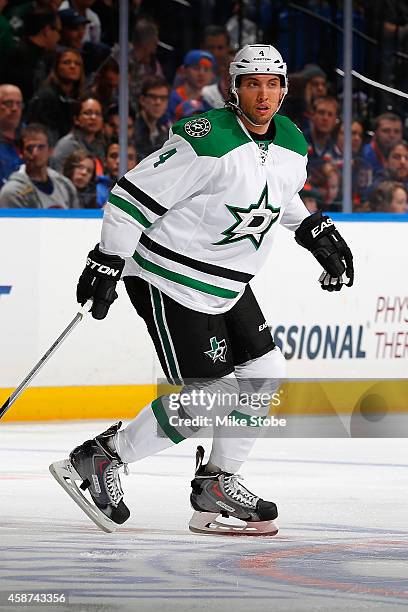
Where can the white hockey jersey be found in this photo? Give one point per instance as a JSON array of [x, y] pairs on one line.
[[197, 218]]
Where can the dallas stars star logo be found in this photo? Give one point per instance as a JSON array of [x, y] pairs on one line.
[[252, 222], [218, 349]]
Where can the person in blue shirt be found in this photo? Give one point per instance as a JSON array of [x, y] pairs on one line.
[[105, 182], [11, 108], [387, 132]]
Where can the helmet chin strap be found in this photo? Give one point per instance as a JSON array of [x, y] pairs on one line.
[[239, 111]]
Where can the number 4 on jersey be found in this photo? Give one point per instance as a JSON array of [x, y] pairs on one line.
[[164, 157]]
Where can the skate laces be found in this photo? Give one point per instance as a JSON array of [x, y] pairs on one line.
[[113, 484], [238, 492]]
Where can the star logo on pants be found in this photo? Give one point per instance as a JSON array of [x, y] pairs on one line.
[[252, 222], [218, 349]]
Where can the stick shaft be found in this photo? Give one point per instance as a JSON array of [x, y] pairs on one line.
[[24, 384]]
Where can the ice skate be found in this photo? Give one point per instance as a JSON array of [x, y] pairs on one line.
[[97, 466], [222, 494]]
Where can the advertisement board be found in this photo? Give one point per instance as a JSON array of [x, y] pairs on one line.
[[360, 332]]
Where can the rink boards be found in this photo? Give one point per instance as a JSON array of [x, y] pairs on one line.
[[108, 368]]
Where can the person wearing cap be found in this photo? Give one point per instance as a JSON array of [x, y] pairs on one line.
[[187, 230], [73, 27], [315, 83], [198, 68], [92, 32], [306, 86], [74, 35], [30, 62]]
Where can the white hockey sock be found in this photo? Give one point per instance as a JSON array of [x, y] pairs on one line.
[[165, 422], [228, 454], [231, 447], [141, 437]]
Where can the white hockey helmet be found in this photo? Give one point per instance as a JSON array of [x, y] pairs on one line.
[[257, 59]]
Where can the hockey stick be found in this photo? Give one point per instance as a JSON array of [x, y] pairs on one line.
[[22, 386]]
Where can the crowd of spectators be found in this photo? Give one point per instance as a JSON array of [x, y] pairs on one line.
[[59, 112]]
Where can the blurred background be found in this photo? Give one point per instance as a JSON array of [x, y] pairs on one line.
[[61, 67]]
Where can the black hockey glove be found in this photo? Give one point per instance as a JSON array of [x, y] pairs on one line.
[[98, 281], [318, 235]]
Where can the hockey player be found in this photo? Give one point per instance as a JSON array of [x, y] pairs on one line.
[[187, 229]]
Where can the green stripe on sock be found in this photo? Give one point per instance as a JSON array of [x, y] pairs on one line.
[[163, 420], [129, 208], [184, 280]]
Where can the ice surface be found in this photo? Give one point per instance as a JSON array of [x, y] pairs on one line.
[[342, 544]]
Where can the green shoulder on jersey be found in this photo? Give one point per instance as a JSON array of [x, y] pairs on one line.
[[225, 133]]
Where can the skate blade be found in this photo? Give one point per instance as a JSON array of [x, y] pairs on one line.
[[65, 474], [207, 523]]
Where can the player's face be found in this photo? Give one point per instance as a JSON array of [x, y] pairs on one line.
[[259, 97]]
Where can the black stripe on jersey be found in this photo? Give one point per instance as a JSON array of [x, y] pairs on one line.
[[141, 196], [201, 266]]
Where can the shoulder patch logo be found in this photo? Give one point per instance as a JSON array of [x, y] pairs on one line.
[[197, 128]]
